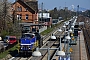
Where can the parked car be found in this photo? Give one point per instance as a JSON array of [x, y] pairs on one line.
[[5, 45], [10, 39]]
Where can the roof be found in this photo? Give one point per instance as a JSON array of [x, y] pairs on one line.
[[12, 36], [30, 24], [32, 5], [27, 33]]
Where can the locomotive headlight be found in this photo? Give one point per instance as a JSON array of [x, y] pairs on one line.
[[28, 47], [21, 48]]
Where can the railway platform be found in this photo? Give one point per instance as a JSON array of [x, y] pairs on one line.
[[79, 50]]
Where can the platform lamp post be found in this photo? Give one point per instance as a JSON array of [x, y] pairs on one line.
[[68, 47], [70, 42], [37, 53], [58, 53], [65, 35], [60, 47], [72, 27], [70, 33], [64, 27], [70, 30]]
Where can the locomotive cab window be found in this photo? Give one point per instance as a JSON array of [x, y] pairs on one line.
[[28, 35]]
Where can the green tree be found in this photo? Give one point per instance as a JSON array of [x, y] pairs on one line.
[[55, 13], [5, 19]]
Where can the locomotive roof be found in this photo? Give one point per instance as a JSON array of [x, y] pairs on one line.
[[29, 33]]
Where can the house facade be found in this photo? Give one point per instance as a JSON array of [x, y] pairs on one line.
[[25, 11], [47, 20]]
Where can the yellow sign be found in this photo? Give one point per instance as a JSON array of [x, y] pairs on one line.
[[71, 50], [72, 38]]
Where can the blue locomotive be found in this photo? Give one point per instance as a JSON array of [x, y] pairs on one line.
[[27, 43]]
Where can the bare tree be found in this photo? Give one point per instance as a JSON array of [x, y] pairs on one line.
[[5, 18]]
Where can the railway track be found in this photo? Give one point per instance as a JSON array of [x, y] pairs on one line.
[[47, 43], [50, 44]]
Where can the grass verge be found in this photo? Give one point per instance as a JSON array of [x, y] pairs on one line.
[[5, 53], [50, 29]]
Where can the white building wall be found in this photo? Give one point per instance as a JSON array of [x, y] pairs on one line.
[[42, 29], [45, 15]]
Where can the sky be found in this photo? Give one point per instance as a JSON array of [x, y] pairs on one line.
[[51, 4]]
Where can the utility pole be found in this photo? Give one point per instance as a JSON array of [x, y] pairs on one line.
[[41, 39], [65, 12], [42, 13], [77, 11]]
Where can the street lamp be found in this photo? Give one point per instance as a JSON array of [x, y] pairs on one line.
[[68, 37], [68, 52], [64, 27], [59, 30], [70, 30], [73, 40], [58, 53], [53, 37], [65, 35], [36, 53], [72, 27]]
